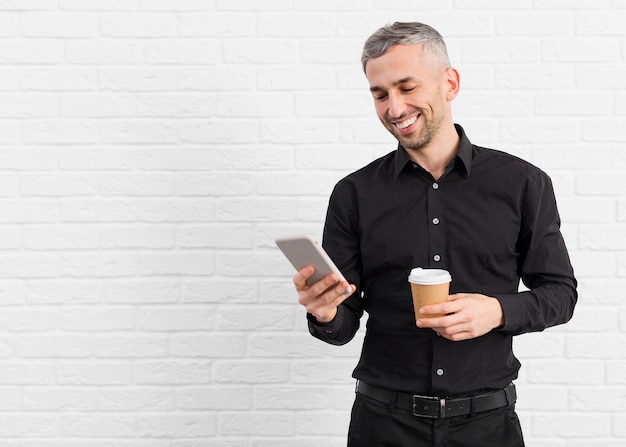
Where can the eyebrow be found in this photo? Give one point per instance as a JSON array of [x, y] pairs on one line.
[[376, 88]]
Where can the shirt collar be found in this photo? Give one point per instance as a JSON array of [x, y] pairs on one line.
[[464, 154]]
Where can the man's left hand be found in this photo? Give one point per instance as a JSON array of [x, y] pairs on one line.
[[467, 315]]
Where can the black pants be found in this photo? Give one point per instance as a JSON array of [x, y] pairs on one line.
[[375, 424]]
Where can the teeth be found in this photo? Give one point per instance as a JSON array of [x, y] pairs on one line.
[[406, 123]]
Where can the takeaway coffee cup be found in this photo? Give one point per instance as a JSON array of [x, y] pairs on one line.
[[429, 286]]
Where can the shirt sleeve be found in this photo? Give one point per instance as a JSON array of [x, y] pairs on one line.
[[544, 263], [341, 242]]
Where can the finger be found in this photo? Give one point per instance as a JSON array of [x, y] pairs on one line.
[[330, 299], [299, 279], [440, 309]]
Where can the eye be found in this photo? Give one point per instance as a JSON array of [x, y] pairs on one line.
[[407, 89], [380, 97]]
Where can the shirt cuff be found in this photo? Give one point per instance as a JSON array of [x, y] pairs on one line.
[[513, 310], [326, 331]]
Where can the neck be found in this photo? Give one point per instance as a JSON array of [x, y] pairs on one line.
[[436, 155]]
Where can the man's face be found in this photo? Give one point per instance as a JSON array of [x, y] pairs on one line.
[[409, 94]]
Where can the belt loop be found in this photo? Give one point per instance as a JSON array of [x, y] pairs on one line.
[[356, 386], [392, 403], [507, 395]]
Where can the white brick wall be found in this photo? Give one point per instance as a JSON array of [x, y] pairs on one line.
[[151, 151]]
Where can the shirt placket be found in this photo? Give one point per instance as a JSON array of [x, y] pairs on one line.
[[436, 223], [437, 259]]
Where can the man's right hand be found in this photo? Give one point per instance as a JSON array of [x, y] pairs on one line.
[[321, 299]]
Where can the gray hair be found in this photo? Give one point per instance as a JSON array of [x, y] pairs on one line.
[[406, 33]]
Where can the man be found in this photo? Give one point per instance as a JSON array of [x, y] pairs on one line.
[[438, 201]]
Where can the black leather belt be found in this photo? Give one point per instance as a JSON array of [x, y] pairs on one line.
[[434, 407]]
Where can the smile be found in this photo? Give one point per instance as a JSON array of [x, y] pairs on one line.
[[407, 122]]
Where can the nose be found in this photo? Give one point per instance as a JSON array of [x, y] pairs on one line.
[[396, 105]]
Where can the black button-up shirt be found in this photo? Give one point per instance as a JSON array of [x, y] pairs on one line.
[[490, 220]]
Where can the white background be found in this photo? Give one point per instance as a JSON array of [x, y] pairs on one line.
[[151, 150]]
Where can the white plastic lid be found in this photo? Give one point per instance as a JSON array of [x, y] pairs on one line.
[[429, 276]]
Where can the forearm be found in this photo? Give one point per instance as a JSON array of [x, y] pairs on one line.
[[340, 330], [540, 308]]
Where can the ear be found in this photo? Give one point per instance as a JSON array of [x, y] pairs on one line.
[[453, 83]]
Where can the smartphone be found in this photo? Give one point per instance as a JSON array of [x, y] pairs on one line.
[[303, 250]]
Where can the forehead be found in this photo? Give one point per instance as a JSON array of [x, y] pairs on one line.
[[399, 62]]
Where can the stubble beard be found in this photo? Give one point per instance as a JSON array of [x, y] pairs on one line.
[[422, 139]]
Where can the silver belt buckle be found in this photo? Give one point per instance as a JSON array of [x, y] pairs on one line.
[[442, 407]]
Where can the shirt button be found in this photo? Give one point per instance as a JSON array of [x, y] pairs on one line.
[[435, 185], [436, 221], [440, 372], [437, 258]]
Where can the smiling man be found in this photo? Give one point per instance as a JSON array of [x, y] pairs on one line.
[[437, 201]]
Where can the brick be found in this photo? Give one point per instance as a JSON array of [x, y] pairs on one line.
[[611, 75], [578, 49], [136, 79], [548, 76], [244, 423], [216, 24], [216, 346], [544, 23], [290, 397], [29, 266], [294, 78], [28, 158], [220, 131], [219, 290], [56, 291], [137, 25], [57, 399], [254, 105], [600, 23], [134, 291], [501, 50], [567, 104], [215, 398], [330, 423], [595, 399], [179, 318], [22, 105], [89, 319], [98, 5], [103, 52], [36, 425], [96, 105], [603, 238], [92, 373], [251, 318], [59, 131], [565, 372], [194, 425], [99, 426], [215, 236], [65, 25], [252, 5], [572, 425], [138, 132], [98, 265], [142, 399], [130, 347], [170, 372], [36, 51], [136, 184], [137, 237], [58, 185], [195, 52], [296, 24]]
